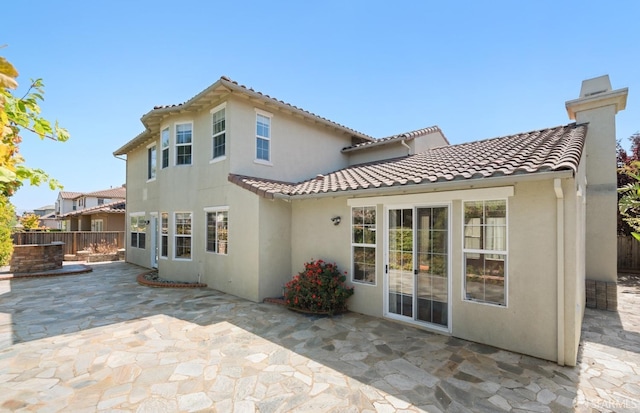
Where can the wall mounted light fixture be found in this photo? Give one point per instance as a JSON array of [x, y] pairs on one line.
[[336, 220]]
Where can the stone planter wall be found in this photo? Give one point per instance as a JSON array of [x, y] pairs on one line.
[[36, 257]]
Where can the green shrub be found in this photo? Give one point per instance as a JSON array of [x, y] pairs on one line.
[[320, 288], [7, 221]]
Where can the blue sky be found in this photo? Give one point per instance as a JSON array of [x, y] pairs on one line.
[[476, 69]]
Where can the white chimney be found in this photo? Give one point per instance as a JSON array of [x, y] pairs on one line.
[[597, 106]]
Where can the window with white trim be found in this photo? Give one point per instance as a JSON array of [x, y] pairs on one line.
[[151, 162], [219, 133], [164, 234], [182, 235], [138, 229], [217, 230], [184, 136], [164, 142], [97, 225], [263, 137], [363, 244], [485, 251]]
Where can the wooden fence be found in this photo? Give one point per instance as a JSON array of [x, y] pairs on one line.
[[73, 241], [628, 253]]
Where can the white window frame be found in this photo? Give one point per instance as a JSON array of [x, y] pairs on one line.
[[215, 134], [164, 237], [262, 113], [364, 245], [140, 223], [215, 210], [152, 162], [504, 252], [176, 236], [177, 145], [95, 223], [165, 145]]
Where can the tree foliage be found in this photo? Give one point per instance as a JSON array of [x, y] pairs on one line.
[[629, 188], [30, 221], [18, 114], [7, 221]]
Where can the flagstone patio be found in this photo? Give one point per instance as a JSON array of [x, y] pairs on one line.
[[101, 342]]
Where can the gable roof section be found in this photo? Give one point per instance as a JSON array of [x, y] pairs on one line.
[[69, 195], [395, 138], [115, 207], [119, 192], [222, 87], [546, 150]]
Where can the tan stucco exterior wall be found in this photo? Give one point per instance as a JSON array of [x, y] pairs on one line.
[[529, 322], [274, 246], [300, 149]]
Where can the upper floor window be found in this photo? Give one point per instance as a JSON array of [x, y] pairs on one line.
[[219, 133], [100, 201], [263, 137], [151, 162], [164, 141], [485, 251], [183, 143]]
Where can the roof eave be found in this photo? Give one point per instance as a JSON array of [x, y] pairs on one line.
[[435, 186], [220, 89]]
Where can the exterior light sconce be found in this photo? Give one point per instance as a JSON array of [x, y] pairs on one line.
[[336, 220]]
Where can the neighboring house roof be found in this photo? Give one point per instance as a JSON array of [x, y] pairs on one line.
[[546, 150], [69, 195], [119, 192], [225, 86], [44, 208], [115, 207], [395, 138]]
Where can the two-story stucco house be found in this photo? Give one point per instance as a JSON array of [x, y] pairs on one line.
[[488, 241], [69, 205]]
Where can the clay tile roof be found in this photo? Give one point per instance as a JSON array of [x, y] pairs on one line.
[[115, 207], [69, 195], [546, 150], [228, 85], [120, 192], [390, 139]]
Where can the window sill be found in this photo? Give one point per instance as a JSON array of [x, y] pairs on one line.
[[470, 300], [151, 180], [218, 159], [368, 284], [262, 162]]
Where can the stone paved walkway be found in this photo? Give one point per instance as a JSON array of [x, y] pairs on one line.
[[101, 342]]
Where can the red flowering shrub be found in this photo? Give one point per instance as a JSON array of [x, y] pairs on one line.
[[319, 288]]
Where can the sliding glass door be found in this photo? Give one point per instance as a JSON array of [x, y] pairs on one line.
[[418, 264]]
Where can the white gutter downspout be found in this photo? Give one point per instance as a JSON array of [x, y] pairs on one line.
[[557, 186], [403, 143]]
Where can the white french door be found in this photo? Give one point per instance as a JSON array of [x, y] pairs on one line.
[[417, 265]]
